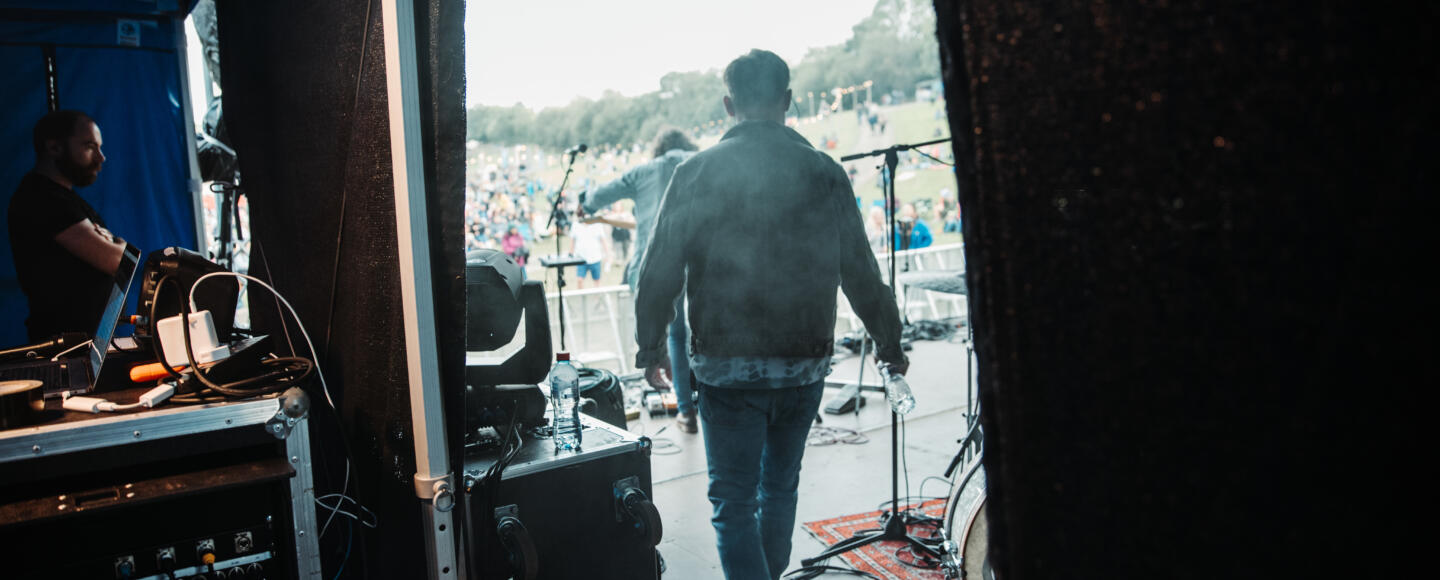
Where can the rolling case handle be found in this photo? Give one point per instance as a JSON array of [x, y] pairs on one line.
[[518, 542]]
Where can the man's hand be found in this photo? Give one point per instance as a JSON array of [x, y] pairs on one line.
[[104, 233], [899, 368], [658, 375], [93, 244]]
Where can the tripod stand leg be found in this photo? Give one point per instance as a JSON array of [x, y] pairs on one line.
[[860, 380], [861, 538], [921, 546]]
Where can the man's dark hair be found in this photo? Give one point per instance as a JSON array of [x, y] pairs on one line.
[[56, 125], [671, 138], [759, 77]]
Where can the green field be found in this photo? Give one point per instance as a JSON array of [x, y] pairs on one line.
[[907, 123], [840, 126]]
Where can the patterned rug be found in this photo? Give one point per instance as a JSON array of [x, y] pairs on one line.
[[881, 558]]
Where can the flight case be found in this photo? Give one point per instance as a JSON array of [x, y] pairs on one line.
[[568, 514]]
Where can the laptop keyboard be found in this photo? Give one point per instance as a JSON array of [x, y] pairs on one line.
[[55, 378], [48, 374]]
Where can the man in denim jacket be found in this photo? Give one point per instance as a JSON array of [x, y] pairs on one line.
[[759, 231], [645, 185]]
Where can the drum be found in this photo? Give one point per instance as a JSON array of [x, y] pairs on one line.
[[966, 526]]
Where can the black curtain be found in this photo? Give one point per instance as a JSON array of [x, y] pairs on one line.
[[305, 100], [1191, 231]]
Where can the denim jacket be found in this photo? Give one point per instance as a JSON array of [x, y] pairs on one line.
[[645, 185], [759, 231]]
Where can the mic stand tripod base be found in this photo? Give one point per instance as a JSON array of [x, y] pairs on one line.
[[893, 527]]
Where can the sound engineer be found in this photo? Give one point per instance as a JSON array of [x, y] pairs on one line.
[[65, 258]]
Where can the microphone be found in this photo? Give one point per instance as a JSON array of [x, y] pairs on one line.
[[581, 148]]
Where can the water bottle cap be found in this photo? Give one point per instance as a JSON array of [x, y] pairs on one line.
[[559, 356]]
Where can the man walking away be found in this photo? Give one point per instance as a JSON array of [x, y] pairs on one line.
[[759, 231]]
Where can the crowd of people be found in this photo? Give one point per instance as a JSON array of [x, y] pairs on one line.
[[500, 209], [508, 206], [508, 203]]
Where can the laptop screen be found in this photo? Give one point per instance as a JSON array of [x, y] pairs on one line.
[[119, 289]]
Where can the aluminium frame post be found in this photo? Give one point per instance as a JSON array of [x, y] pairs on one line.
[[192, 160], [433, 476], [302, 502]]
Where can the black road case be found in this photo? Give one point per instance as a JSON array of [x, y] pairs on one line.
[[215, 490], [584, 514]]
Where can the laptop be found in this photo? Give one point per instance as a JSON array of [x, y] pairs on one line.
[[75, 371]]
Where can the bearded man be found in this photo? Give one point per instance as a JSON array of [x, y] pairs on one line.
[[65, 259]]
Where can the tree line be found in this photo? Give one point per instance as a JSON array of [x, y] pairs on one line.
[[893, 48]]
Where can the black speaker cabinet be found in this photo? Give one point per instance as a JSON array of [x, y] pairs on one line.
[[585, 514]]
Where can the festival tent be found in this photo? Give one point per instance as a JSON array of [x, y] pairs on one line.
[[121, 61]]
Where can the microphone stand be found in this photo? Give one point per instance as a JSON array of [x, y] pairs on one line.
[[555, 205], [894, 523], [559, 261]]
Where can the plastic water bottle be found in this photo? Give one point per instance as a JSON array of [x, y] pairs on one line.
[[897, 391], [565, 403]]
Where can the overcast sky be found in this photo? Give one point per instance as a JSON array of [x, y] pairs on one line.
[[546, 53]]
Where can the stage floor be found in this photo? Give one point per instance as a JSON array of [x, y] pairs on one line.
[[836, 479]]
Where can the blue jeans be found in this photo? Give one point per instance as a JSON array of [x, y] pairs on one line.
[[677, 347], [593, 268], [680, 360], [754, 440]]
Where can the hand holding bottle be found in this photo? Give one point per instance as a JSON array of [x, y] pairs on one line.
[[900, 368], [897, 390]]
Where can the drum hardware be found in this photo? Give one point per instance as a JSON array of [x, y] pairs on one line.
[[964, 549], [966, 554]]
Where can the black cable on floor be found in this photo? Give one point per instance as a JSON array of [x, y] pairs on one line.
[[662, 445], [821, 435], [808, 572]]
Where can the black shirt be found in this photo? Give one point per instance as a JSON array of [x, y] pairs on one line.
[[66, 294]]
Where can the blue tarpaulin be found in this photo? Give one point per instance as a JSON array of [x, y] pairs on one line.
[[119, 62]]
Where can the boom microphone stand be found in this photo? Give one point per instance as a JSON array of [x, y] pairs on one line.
[[893, 522], [560, 261]]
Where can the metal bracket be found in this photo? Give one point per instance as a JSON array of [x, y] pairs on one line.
[[294, 407], [431, 488], [444, 497], [280, 425]]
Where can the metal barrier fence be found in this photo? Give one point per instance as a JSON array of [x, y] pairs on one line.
[[600, 322]]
